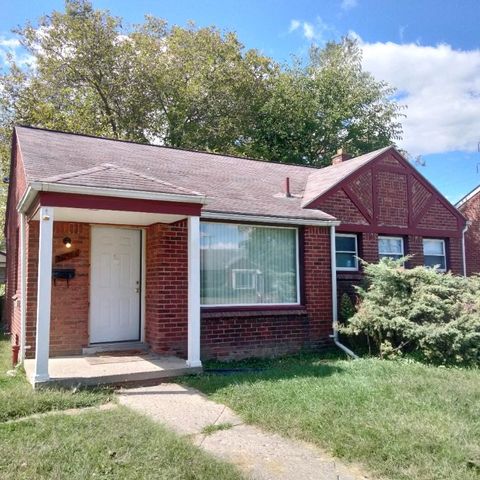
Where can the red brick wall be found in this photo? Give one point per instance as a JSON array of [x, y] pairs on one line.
[[70, 303], [166, 323], [340, 206], [318, 282], [438, 217], [253, 334], [16, 190], [362, 187], [392, 199], [471, 210], [454, 255], [276, 332], [413, 245]]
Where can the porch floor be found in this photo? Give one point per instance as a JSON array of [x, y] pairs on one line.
[[110, 369]]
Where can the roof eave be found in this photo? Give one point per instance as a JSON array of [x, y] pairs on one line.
[[266, 219], [36, 187], [467, 197]]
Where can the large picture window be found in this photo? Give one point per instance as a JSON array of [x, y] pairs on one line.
[[346, 251], [434, 253], [390, 247], [248, 265]]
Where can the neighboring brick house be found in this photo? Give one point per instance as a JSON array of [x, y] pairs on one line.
[[198, 255], [386, 208], [469, 206]]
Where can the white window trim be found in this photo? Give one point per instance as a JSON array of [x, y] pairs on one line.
[[386, 237], [244, 270], [297, 256], [355, 256], [444, 256]]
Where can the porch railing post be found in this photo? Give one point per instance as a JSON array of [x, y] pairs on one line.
[[44, 295], [194, 292]]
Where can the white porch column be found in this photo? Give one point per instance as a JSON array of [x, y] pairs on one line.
[[194, 292], [44, 294]]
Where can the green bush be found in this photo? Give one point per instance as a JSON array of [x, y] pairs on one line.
[[347, 309], [434, 315]]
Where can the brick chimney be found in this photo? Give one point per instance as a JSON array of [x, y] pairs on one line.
[[340, 156]]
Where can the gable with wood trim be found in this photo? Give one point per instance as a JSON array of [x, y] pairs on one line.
[[386, 203]]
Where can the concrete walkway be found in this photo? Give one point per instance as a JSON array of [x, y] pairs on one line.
[[260, 455]]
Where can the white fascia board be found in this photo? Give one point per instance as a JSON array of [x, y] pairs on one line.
[[267, 219], [26, 200], [467, 197], [104, 192]]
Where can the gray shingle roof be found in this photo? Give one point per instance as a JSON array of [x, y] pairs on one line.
[[232, 185], [325, 178], [114, 176]]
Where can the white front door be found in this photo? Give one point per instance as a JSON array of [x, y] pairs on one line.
[[115, 285]]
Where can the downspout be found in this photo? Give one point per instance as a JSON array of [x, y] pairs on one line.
[[334, 296], [464, 256], [23, 285]]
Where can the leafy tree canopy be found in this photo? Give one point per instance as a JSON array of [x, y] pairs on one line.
[[192, 87]]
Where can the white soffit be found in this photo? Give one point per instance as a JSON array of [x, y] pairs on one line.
[[112, 217]]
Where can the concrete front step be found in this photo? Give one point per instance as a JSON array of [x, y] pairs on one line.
[[115, 347], [111, 369], [123, 379]]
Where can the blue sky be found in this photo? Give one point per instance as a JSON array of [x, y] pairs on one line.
[[429, 50]]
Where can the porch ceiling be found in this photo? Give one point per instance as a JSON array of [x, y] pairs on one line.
[[112, 217]]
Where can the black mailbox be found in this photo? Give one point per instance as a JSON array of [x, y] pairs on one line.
[[63, 274]]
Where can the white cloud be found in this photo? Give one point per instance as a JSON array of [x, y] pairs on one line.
[[309, 31], [318, 32], [12, 47], [440, 86], [348, 4], [294, 25], [9, 43]]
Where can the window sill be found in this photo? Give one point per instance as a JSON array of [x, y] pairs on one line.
[[260, 311], [350, 275]]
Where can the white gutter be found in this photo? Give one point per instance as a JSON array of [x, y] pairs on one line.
[[464, 256], [23, 286], [267, 219], [334, 296], [26, 200], [104, 192]]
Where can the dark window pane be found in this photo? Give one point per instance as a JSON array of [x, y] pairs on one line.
[[345, 244], [434, 261], [346, 260]]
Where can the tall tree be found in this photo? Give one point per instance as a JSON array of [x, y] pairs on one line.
[[329, 103], [179, 86], [192, 87]]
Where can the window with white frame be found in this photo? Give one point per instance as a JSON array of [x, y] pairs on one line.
[[346, 251], [390, 247], [434, 253], [245, 264], [244, 278]]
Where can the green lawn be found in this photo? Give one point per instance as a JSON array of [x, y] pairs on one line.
[[18, 399], [114, 444], [109, 444], [402, 420]]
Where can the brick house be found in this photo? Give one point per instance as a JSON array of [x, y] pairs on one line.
[[200, 255], [386, 208], [469, 206]]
